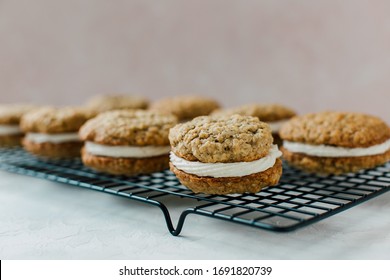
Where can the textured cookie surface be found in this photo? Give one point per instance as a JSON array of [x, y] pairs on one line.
[[265, 112], [125, 166], [221, 139], [186, 107], [114, 102], [53, 150], [129, 127], [55, 120], [12, 113], [247, 184], [348, 130], [336, 165], [10, 140]]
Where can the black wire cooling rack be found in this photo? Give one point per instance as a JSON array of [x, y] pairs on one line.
[[300, 199]]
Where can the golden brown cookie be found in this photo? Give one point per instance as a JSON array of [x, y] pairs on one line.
[[124, 165], [105, 103], [127, 142], [336, 142], [55, 120], [221, 139], [186, 107], [11, 140], [265, 112], [334, 165], [10, 115], [229, 154], [129, 127], [350, 130], [252, 183], [53, 132], [273, 114], [53, 150]]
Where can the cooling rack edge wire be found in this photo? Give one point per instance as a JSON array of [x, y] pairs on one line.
[[300, 199]]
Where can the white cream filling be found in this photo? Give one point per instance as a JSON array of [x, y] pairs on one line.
[[52, 138], [6, 129], [126, 151], [234, 169], [331, 151], [275, 126]]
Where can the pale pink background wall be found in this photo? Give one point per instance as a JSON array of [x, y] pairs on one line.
[[311, 55]]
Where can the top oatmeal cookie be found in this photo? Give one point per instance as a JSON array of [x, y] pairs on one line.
[[265, 112], [129, 127], [55, 120], [105, 103], [348, 130], [10, 114], [221, 139], [185, 107]]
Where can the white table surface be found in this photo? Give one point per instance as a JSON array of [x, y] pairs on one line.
[[45, 220]]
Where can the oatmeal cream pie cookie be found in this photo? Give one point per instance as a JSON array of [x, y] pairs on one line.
[[53, 132], [273, 114], [10, 115], [335, 142], [127, 142], [221, 155], [187, 107], [103, 103]]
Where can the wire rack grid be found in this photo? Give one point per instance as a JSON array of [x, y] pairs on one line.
[[298, 200]]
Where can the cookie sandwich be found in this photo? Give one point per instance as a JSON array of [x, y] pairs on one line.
[[103, 103], [127, 142], [273, 114], [53, 132], [187, 107], [335, 142], [221, 155], [10, 132]]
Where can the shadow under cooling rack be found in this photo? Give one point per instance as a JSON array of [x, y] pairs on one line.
[[300, 198]]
